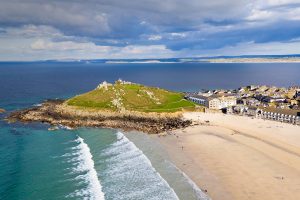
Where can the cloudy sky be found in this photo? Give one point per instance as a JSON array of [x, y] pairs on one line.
[[97, 29]]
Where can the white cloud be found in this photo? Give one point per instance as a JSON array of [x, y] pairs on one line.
[[280, 2], [44, 42], [40, 29], [178, 35], [105, 17], [155, 37], [294, 14], [84, 18], [44, 45], [34, 31], [260, 15], [142, 51], [274, 10]]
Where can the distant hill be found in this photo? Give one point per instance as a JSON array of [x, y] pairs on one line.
[[165, 60], [128, 96]]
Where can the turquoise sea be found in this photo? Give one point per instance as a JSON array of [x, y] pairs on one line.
[[90, 163]]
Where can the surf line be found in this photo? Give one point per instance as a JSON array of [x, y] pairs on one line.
[[94, 188], [122, 138], [199, 193]]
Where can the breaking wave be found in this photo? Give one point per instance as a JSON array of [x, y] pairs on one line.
[[131, 174], [86, 173]]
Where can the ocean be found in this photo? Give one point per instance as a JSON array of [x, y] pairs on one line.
[[89, 163]]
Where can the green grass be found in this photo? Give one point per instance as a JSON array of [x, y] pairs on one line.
[[134, 97]]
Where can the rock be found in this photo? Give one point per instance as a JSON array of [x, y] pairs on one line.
[[53, 128], [54, 113], [2, 110]]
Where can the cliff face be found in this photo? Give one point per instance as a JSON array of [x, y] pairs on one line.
[[56, 112]]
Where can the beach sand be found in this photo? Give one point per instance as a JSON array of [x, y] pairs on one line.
[[238, 158]]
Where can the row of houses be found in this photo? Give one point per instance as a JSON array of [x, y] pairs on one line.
[[269, 113], [282, 115]]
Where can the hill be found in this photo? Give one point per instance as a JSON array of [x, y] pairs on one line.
[[121, 105], [129, 96]]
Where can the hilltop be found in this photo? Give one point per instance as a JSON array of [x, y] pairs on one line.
[[127, 96], [123, 105]]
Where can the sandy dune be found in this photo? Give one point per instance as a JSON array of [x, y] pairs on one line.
[[234, 157]]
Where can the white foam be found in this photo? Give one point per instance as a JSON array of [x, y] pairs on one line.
[[64, 127], [85, 165], [132, 175]]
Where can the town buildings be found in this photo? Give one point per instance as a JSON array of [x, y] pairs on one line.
[[272, 103]]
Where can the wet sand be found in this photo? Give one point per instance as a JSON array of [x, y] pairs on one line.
[[238, 158]]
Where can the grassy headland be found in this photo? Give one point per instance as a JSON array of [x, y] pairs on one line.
[[122, 105], [131, 97]]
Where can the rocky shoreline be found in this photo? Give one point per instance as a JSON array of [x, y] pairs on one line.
[[56, 112]]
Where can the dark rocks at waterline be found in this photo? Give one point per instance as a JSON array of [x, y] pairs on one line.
[[54, 113]]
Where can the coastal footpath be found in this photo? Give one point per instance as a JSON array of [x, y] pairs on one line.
[[236, 157]]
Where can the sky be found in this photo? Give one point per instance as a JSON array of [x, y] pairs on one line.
[[118, 29]]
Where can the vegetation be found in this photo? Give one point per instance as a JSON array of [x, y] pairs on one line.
[[133, 97]]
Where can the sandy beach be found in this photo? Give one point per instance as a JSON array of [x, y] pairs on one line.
[[238, 158]]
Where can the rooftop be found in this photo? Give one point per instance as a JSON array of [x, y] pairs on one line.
[[282, 111]]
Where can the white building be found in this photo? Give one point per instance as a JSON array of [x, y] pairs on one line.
[[222, 102], [216, 102]]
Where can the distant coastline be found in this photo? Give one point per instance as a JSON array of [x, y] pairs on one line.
[[295, 58], [255, 60], [215, 60]]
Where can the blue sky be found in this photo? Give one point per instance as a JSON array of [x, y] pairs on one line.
[[97, 29]]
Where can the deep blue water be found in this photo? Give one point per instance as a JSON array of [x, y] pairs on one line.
[[25, 83], [88, 163]]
